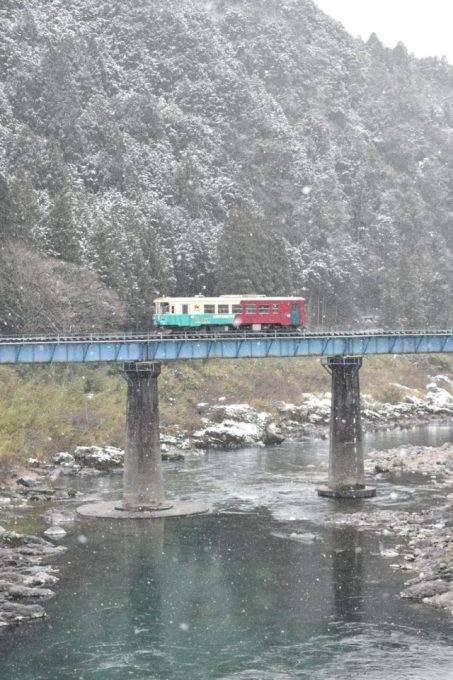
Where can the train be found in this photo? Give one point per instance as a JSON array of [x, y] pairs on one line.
[[229, 313]]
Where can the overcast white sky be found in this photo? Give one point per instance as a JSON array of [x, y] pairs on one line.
[[424, 26]]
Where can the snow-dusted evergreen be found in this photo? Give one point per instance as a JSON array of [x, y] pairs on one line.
[[186, 146]]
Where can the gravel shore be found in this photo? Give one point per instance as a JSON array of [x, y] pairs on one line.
[[427, 550]]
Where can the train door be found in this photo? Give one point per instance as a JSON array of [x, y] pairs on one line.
[[295, 314]]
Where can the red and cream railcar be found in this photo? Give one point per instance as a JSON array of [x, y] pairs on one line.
[[229, 312]]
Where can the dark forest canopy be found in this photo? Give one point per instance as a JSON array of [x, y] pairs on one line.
[[185, 146]]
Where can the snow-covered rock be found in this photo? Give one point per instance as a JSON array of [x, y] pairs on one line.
[[314, 409], [439, 400], [236, 426], [62, 458], [99, 457], [227, 434], [217, 413], [55, 531], [442, 378]]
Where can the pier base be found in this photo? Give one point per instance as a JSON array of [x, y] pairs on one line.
[[346, 492], [346, 477], [143, 488], [110, 510]]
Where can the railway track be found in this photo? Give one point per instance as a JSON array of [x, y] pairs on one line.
[[186, 336]]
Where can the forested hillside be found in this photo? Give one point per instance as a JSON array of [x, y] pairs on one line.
[[192, 146]]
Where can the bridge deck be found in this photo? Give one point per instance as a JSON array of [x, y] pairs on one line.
[[161, 347]]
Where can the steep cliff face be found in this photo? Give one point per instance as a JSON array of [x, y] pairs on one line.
[[193, 146]]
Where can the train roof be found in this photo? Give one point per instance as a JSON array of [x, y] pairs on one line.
[[198, 297], [247, 296]]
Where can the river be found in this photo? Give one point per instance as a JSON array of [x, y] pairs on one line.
[[265, 587]]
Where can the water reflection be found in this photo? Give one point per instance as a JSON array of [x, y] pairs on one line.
[[142, 565], [347, 573], [213, 597]]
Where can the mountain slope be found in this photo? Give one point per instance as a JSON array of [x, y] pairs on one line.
[[189, 146]]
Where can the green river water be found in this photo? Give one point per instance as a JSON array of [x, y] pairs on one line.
[[265, 587]]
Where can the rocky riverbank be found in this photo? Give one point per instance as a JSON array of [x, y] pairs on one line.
[[426, 547], [312, 416], [234, 426], [227, 426], [24, 579]]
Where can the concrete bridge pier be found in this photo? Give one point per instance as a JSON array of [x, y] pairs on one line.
[[346, 477], [143, 487]]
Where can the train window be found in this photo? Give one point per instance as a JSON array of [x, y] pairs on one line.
[[250, 308], [172, 309], [263, 309], [223, 309], [236, 309], [209, 309], [275, 308], [164, 307], [185, 309]]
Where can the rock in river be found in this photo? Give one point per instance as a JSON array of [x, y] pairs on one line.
[[418, 591], [236, 425], [99, 457], [13, 613]]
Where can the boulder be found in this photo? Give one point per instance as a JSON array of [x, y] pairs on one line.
[[243, 413], [12, 613], [419, 591], [227, 434], [439, 400], [99, 457], [272, 435], [314, 410], [38, 576], [17, 592], [39, 550], [443, 601], [26, 481], [55, 531], [231, 426], [62, 458]]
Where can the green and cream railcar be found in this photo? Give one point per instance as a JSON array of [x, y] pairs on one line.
[[197, 312]]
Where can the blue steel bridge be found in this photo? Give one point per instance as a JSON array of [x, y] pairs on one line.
[[138, 347]]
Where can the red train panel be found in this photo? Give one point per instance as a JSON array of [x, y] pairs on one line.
[[272, 312]]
